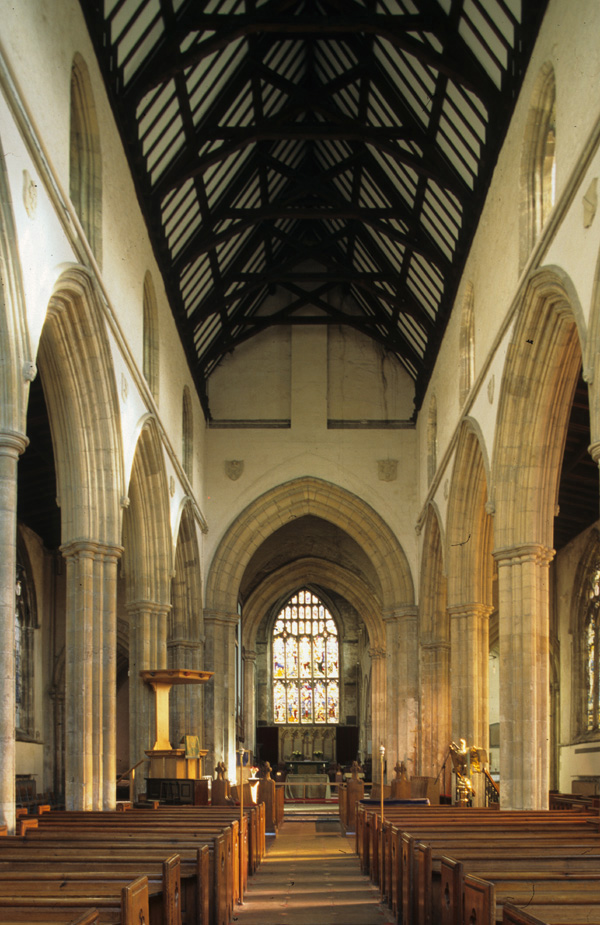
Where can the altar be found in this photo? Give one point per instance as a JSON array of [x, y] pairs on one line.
[[307, 766], [307, 786]]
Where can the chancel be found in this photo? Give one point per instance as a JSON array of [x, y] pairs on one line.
[[299, 408]]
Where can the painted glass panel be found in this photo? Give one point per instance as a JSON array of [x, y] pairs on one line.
[[333, 702], [591, 640], [305, 667], [320, 703], [319, 657], [292, 703], [332, 657], [306, 650], [279, 701], [278, 657], [306, 693], [291, 657]]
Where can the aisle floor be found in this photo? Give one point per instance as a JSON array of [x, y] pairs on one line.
[[311, 876]]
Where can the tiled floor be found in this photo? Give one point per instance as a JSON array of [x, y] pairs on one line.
[[311, 876]]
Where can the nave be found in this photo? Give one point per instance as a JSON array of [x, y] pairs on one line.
[[311, 874]]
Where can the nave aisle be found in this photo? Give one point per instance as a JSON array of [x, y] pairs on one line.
[[311, 876]]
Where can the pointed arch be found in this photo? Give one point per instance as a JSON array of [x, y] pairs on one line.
[[470, 575], [538, 161], [540, 376], [14, 342], [542, 367], [85, 161], [150, 339], [79, 386], [148, 555], [320, 573], [295, 499], [185, 641], [470, 527]]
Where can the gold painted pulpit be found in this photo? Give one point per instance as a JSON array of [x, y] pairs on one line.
[[165, 761]]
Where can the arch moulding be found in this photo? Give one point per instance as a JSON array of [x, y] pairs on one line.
[[313, 571], [299, 498]]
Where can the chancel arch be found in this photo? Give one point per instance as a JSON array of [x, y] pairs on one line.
[[434, 653], [315, 573], [384, 562], [147, 573], [470, 570], [541, 373], [79, 387]]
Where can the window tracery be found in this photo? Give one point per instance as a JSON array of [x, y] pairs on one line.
[[592, 641], [305, 663], [25, 624]]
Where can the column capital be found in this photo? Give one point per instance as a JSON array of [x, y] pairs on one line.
[[470, 610], [594, 451], [220, 618], [248, 655], [525, 552], [135, 608], [400, 612], [377, 652], [13, 443], [91, 549]]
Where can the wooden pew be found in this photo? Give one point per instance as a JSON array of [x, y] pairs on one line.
[[51, 917], [128, 906], [71, 861], [553, 902], [164, 889], [114, 832], [396, 874], [159, 829], [512, 915], [415, 875], [211, 855]]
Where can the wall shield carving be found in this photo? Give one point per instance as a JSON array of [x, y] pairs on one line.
[[234, 468], [387, 470]]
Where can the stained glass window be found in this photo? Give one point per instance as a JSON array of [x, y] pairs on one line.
[[592, 641], [306, 663]]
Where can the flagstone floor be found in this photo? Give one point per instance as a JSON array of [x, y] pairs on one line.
[[311, 876]]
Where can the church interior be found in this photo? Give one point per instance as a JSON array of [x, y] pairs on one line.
[[300, 424]]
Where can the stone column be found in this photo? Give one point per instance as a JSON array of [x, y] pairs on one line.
[[147, 651], [90, 675], [435, 709], [186, 703], [524, 675], [11, 446], [469, 673], [108, 745], [250, 700], [402, 688], [378, 705], [220, 691], [469, 669]]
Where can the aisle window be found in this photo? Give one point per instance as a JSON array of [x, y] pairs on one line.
[[306, 663], [592, 634]]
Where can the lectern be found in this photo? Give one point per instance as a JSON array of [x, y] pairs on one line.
[[170, 765]]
